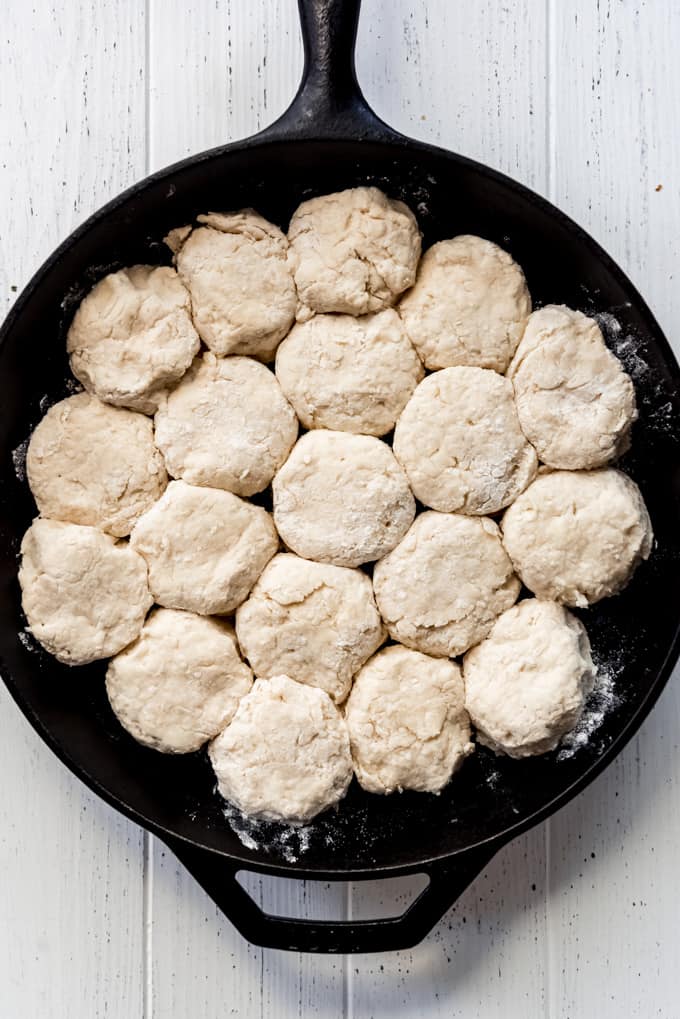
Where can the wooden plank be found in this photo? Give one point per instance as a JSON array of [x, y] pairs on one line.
[[469, 77], [71, 894], [613, 853], [220, 72]]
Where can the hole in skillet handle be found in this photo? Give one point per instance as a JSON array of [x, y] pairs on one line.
[[217, 875]]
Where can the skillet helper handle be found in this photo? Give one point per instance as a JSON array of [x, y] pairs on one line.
[[217, 876], [329, 102]]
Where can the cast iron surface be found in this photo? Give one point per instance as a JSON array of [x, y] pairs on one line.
[[327, 141]]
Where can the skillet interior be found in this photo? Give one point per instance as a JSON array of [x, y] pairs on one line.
[[634, 634]]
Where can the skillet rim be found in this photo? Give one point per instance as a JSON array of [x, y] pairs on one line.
[[389, 139]]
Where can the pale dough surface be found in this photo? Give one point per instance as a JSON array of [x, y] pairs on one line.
[[311, 621], [85, 595], [577, 536], [469, 305], [342, 499], [93, 464], [349, 374], [242, 291], [285, 756], [575, 402], [407, 723], [445, 583], [179, 683], [133, 336], [205, 548], [460, 443], [353, 251], [226, 425], [527, 682]]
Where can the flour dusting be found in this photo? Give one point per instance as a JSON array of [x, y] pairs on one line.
[[19, 459], [630, 350], [289, 841], [602, 700]]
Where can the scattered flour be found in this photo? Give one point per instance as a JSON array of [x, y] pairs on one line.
[[285, 840], [603, 699], [19, 459], [653, 396]]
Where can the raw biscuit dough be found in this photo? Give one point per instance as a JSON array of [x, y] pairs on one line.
[[342, 499], [469, 305], [577, 536], [353, 251], [313, 622], [242, 291], [227, 425], [285, 756], [85, 595], [407, 722], [445, 583], [350, 374], [575, 402], [93, 464], [133, 336], [179, 683], [526, 683], [460, 443], [205, 548]]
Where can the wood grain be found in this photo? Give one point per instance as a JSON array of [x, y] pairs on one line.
[[72, 134], [613, 885]]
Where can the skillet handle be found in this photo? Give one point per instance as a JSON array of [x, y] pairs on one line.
[[329, 102], [217, 876]]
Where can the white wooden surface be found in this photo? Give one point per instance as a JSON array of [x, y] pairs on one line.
[[579, 100]]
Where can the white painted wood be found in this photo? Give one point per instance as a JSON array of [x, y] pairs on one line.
[[217, 73], [613, 877], [71, 885], [470, 77], [577, 100]]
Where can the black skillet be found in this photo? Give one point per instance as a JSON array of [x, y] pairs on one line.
[[328, 140]]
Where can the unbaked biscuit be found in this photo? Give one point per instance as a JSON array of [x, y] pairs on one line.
[[85, 595], [227, 425], [93, 464], [179, 683], [285, 756], [353, 251], [407, 722], [469, 305], [205, 548]]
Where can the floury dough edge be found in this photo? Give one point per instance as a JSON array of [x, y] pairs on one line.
[[407, 722], [286, 755]]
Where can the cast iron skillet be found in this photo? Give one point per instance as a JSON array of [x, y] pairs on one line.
[[328, 140]]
